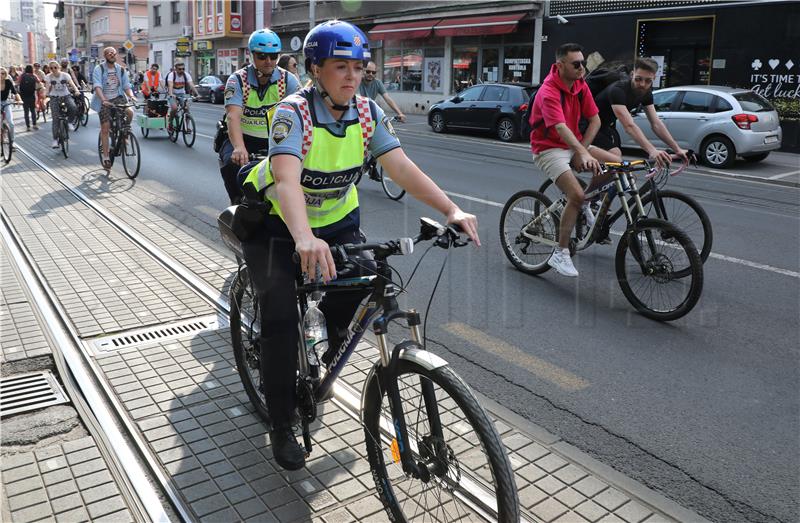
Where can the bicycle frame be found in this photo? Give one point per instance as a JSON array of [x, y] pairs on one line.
[[378, 309]]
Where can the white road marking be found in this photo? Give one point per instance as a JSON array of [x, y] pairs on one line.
[[722, 257], [784, 175]]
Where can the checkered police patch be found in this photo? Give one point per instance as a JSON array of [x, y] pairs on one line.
[[280, 130], [229, 93], [357, 40]]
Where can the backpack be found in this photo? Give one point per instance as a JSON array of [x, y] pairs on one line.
[[27, 85], [602, 77], [525, 123]]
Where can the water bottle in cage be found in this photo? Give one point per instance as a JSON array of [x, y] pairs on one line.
[[315, 331]]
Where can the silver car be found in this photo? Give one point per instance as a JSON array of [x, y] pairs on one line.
[[717, 122]]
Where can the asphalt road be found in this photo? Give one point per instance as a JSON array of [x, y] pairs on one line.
[[705, 409]]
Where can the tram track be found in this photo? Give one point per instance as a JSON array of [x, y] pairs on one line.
[[124, 445]]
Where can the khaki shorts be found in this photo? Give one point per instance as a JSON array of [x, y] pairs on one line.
[[553, 162]]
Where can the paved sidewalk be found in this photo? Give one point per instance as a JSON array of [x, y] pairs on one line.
[[185, 398]]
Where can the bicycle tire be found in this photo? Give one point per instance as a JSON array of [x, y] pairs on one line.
[[6, 143], [131, 153], [668, 240], [692, 219], [172, 129], [76, 122], [145, 131], [64, 136], [85, 115], [474, 439], [516, 216], [188, 138], [245, 339], [392, 190]]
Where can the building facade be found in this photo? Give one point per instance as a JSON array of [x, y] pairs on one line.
[[11, 48], [36, 44], [108, 27], [72, 35], [168, 22], [427, 50]]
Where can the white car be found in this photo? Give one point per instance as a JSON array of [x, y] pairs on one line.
[[717, 122]]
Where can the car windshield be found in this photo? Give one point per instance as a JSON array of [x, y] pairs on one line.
[[209, 80], [753, 102]]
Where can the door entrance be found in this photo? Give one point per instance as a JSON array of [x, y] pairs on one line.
[[683, 46]]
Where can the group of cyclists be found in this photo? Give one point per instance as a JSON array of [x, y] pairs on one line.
[[293, 153]]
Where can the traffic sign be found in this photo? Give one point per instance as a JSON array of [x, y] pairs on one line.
[[51, 56], [128, 45], [94, 51]]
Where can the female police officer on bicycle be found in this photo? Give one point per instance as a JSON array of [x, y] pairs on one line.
[[317, 144]]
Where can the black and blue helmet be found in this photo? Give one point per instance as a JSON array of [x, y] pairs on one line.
[[336, 39]]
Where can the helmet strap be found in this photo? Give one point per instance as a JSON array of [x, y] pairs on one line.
[[328, 100]]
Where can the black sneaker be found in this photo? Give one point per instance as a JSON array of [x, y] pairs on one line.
[[288, 453]]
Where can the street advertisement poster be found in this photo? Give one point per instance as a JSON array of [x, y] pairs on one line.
[[660, 73], [433, 74], [775, 77]]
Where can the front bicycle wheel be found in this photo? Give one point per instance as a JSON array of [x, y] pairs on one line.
[[85, 114], [189, 134], [650, 257], [685, 213], [245, 325], [131, 158], [6, 144], [173, 129], [464, 467], [392, 190], [64, 137], [76, 121], [525, 227]]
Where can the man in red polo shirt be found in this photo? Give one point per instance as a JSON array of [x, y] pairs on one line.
[[558, 144]]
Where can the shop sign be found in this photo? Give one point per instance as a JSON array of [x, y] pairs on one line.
[[209, 24], [183, 47], [517, 66], [296, 43], [220, 23], [775, 77], [236, 22], [203, 45]]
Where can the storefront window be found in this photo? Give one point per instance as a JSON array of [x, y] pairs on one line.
[[518, 63], [407, 67], [490, 65], [465, 67]]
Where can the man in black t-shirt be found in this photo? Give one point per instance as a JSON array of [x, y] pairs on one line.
[[615, 103]]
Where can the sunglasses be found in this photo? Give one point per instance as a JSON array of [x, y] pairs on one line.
[[265, 56], [577, 64], [367, 71]]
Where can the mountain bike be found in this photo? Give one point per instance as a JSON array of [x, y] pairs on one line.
[[375, 172], [428, 439], [181, 122], [657, 265], [61, 125], [121, 142], [677, 208], [6, 138]]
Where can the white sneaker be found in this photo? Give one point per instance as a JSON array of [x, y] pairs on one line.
[[54, 144], [562, 263]]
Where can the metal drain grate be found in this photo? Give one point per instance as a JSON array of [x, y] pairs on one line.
[[157, 334], [24, 392]]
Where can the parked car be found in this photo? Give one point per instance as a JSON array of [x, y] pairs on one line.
[[212, 89], [716, 121], [493, 107]]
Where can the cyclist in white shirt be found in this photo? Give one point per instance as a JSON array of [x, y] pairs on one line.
[[59, 85], [177, 82]]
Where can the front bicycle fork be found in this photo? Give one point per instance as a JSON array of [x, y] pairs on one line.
[[388, 381]]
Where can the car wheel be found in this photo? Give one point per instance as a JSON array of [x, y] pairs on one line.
[[718, 151], [218, 98], [506, 130], [437, 123], [753, 158]]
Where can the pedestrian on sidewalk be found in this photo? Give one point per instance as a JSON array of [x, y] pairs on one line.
[[29, 85], [8, 89]]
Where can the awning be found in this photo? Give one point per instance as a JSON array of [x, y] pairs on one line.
[[403, 30], [479, 25]]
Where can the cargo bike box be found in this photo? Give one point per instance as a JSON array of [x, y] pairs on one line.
[[154, 115]]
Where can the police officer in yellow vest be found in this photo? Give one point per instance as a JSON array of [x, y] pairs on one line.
[[318, 140], [249, 94]]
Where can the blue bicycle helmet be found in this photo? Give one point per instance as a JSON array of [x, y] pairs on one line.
[[336, 39], [264, 41]]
